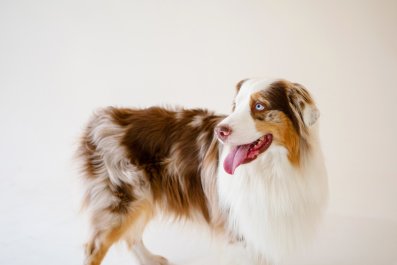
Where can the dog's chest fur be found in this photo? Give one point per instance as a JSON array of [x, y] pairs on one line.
[[271, 205]]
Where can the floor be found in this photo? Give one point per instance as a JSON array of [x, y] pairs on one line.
[[341, 241], [41, 224], [47, 229]]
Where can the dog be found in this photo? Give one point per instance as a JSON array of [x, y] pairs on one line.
[[256, 176]]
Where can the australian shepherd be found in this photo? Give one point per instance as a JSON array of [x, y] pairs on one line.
[[256, 176]]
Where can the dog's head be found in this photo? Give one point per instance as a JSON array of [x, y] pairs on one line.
[[264, 114]]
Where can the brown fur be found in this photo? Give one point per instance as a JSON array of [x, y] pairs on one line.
[[163, 148], [154, 138], [284, 134]]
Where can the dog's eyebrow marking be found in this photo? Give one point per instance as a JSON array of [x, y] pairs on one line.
[[272, 116]]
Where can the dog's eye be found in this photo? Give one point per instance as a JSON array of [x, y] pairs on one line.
[[259, 106]]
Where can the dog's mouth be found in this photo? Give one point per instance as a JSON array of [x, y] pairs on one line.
[[243, 154]]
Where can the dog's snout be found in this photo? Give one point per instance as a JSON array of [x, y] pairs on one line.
[[223, 132]]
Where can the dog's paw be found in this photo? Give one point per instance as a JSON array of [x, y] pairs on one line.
[[156, 260]]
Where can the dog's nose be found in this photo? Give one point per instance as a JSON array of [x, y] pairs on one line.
[[223, 132]]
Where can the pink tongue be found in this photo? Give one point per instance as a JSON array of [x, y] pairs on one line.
[[235, 158]]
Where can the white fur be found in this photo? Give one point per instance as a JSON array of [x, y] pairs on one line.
[[310, 114], [197, 121], [272, 204]]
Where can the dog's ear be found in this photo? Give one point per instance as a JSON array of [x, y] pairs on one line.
[[302, 104]]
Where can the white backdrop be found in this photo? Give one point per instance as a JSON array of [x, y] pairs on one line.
[[59, 60]]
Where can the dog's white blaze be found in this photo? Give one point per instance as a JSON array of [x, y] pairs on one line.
[[242, 126], [241, 121]]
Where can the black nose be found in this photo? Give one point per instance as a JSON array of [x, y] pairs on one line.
[[223, 132]]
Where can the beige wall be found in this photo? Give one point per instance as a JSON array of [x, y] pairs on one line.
[[61, 59]]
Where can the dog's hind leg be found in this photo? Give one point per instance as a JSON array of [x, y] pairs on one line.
[[102, 238], [135, 244], [110, 227], [145, 257]]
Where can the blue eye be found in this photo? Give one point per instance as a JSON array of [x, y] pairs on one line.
[[259, 106]]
